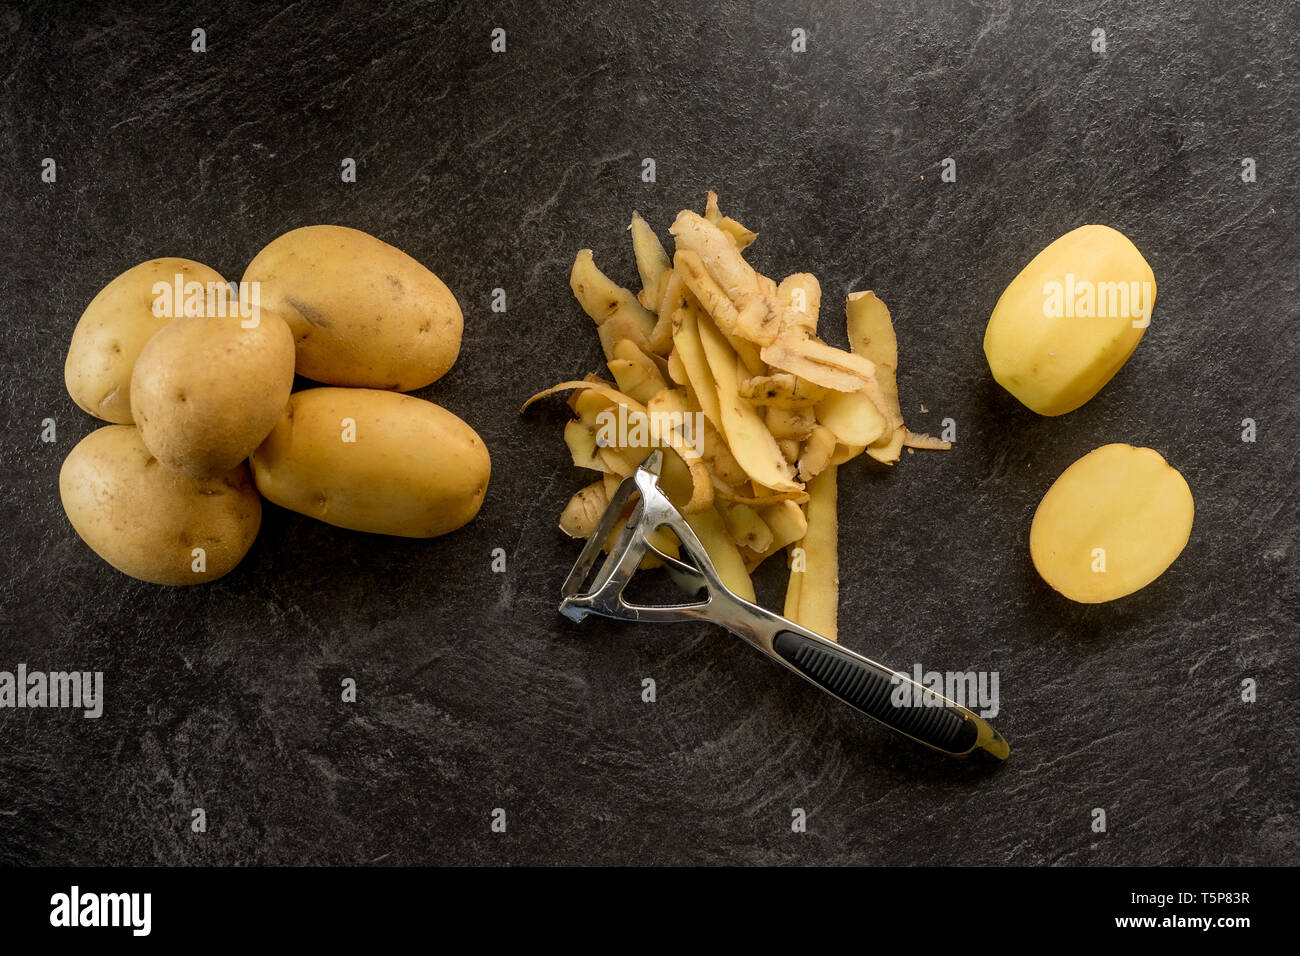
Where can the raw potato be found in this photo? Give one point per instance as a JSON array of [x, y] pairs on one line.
[[1111, 524], [362, 312], [114, 329], [411, 468], [207, 391], [148, 521], [1072, 317]]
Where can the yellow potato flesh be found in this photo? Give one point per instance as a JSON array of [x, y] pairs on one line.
[[1111, 524], [852, 417], [749, 439], [1072, 317], [816, 599]]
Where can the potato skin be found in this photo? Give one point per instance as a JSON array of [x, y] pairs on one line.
[[362, 312], [114, 329], [206, 391], [145, 520], [414, 470]]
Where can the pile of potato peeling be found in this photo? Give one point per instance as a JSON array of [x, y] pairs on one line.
[[781, 409]]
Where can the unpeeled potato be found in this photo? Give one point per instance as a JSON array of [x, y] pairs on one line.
[[363, 313], [206, 391], [151, 522], [114, 329], [373, 460], [1111, 524]]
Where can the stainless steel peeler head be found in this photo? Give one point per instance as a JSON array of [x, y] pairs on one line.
[[602, 594]]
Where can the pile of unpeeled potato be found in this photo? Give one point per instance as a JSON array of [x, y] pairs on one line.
[[197, 377], [709, 338]]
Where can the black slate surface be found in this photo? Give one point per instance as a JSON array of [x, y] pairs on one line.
[[493, 169]]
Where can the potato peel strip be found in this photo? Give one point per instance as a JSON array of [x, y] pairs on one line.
[[701, 483]]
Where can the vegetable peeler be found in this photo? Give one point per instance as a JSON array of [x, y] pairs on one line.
[[885, 695]]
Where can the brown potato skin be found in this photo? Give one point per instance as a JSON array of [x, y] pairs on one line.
[[112, 332], [145, 520], [415, 470], [206, 391], [363, 313]]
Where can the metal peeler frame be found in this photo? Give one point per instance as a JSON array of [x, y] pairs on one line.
[[875, 690]]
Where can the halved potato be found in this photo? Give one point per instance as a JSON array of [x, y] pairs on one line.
[[1112, 523]]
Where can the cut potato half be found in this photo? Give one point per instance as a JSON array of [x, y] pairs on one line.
[[1112, 523]]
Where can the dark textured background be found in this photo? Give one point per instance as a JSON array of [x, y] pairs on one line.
[[493, 170]]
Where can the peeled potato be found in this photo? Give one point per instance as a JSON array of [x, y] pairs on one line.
[[1071, 318], [1111, 524]]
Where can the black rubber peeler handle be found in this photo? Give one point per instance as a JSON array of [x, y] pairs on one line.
[[889, 697]]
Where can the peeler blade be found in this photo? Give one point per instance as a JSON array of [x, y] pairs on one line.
[[653, 464], [602, 593]]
